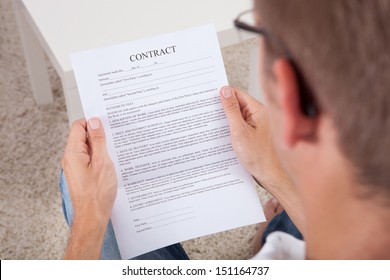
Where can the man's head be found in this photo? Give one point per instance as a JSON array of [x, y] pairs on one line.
[[342, 49]]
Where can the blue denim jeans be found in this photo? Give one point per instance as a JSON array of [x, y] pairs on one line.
[[281, 222], [110, 250]]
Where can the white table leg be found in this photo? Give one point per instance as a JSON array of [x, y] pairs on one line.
[[35, 59]]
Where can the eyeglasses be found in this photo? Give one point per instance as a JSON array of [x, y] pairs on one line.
[[307, 103]]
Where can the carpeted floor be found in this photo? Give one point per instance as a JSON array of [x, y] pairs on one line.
[[32, 140]]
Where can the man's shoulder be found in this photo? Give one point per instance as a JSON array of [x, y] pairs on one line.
[[281, 246]]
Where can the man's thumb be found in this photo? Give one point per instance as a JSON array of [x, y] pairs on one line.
[[231, 107], [97, 138]]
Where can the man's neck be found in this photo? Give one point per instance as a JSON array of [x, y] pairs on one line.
[[356, 228]]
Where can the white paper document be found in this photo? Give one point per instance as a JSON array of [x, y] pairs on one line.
[[168, 137]]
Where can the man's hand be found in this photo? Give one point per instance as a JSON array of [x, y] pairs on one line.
[[92, 183], [252, 141], [251, 135]]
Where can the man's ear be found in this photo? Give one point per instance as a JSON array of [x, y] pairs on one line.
[[296, 125]]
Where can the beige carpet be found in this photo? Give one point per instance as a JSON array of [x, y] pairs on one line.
[[32, 140]]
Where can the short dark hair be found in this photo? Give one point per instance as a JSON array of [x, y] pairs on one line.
[[343, 49]]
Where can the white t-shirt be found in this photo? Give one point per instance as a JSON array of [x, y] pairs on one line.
[[281, 246]]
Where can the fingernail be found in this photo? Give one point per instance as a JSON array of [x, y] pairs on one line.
[[94, 123], [274, 201], [227, 92]]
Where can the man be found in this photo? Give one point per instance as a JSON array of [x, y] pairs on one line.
[[320, 146]]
